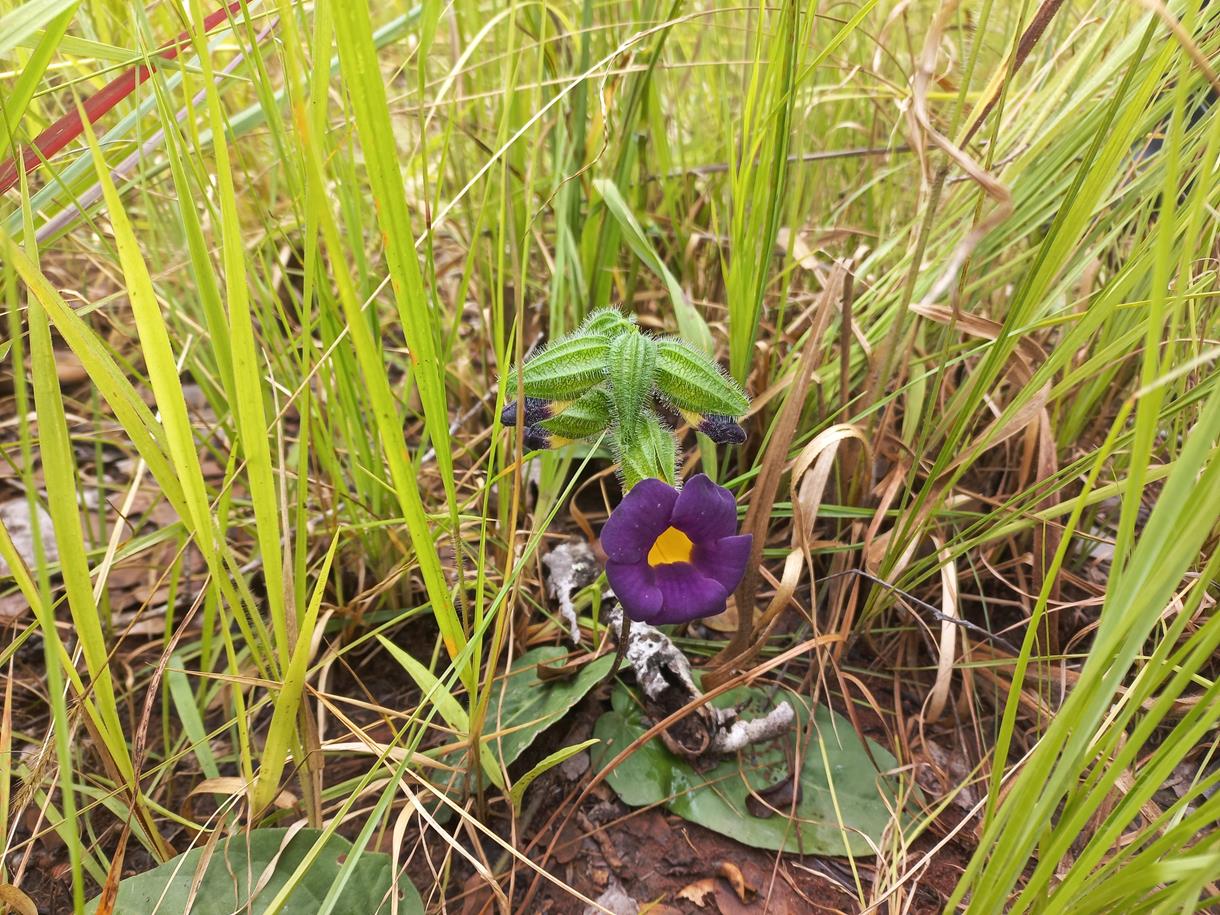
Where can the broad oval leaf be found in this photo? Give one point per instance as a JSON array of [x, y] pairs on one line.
[[522, 706], [836, 772], [266, 858]]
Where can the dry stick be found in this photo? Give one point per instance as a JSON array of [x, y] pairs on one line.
[[71, 125], [123, 170], [795, 159], [1042, 18], [762, 498], [919, 112], [624, 634], [738, 680], [845, 322]]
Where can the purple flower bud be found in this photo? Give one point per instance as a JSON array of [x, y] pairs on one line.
[[674, 556], [537, 438], [723, 430], [536, 410]]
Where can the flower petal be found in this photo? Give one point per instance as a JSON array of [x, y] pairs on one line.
[[688, 594], [638, 521], [724, 559], [705, 511], [634, 584]]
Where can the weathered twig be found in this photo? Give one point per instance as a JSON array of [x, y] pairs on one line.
[[572, 566], [664, 676]]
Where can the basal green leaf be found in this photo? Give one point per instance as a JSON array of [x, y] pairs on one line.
[[522, 784], [522, 705], [265, 858], [844, 801], [450, 709]]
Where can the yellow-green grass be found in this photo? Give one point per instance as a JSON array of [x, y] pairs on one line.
[[348, 219]]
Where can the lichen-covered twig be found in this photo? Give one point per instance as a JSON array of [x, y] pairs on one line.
[[572, 566], [664, 676]]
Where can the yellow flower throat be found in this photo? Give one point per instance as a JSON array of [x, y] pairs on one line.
[[671, 546]]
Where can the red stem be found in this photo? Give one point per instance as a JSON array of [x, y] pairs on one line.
[[70, 126]]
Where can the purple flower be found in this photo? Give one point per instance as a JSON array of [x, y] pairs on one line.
[[674, 556]]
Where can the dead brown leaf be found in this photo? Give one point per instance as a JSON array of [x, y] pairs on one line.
[[698, 891], [16, 900], [732, 873]]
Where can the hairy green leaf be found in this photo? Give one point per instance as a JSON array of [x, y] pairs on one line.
[[662, 450], [609, 322], [586, 416], [691, 381], [632, 367], [563, 370]]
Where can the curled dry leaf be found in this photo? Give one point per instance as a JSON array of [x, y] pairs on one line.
[[17, 900], [229, 786], [810, 474], [699, 891], [948, 632], [732, 873], [780, 798]]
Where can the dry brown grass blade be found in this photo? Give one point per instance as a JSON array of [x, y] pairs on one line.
[[10, 895], [991, 94], [17, 900], [785, 590], [110, 889], [947, 646], [1027, 357], [1183, 37], [6, 745], [924, 74], [810, 474], [762, 496], [809, 477]]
